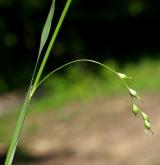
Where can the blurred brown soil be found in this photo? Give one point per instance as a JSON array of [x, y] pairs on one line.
[[100, 132]]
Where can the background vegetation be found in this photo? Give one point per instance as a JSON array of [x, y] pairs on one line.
[[123, 34], [119, 30]]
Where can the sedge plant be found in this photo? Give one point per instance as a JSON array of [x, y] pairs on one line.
[[37, 79]]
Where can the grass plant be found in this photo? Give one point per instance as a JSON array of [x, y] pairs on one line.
[[37, 79]]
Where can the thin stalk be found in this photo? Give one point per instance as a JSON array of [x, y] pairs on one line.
[[51, 45], [125, 84], [72, 62], [15, 138]]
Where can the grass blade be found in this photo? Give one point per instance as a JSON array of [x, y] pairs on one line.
[[47, 27], [44, 36], [37, 79]]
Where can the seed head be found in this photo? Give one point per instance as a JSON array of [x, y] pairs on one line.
[[135, 109], [145, 117], [122, 76], [134, 93], [147, 124]]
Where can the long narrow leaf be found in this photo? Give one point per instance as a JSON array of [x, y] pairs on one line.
[[44, 36], [47, 27], [37, 79]]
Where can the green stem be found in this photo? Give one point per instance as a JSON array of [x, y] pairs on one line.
[[50, 46], [72, 62], [15, 138], [125, 84]]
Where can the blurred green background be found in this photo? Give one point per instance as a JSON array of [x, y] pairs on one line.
[[121, 30], [123, 34]]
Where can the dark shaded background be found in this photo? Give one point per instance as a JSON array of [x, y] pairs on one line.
[[123, 30]]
